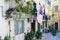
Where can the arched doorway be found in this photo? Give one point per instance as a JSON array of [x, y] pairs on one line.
[[56, 25], [33, 26]]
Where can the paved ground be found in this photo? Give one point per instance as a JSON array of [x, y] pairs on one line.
[[58, 36], [48, 36]]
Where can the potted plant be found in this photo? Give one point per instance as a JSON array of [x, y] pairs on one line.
[[53, 30], [18, 8], [30, 36], [33, 12], [25, 9], [7, 0], [38, 35], [7, 38]]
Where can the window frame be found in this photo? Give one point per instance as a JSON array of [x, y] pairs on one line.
[[18, 27], [56, 9]]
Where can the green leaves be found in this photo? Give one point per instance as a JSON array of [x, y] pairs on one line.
[[7, 0], [18, 8], [26, 9], [30, 36], [6, 38], [53, 30], [38, 35], [16, 1], [33, 12]]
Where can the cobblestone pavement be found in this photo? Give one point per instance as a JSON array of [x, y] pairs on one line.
[[58, 36], [48, 36]]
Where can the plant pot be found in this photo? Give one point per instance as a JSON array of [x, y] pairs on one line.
[[39, 35], [34, 38], [38, 39]]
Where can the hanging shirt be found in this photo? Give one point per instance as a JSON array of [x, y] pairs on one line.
[[34, 4], [39, 18], [38, 7], [39, 12]]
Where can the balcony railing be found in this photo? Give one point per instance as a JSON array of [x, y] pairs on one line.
[[46, 18]]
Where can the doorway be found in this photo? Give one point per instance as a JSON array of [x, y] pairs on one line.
[[56, 25], [33, 26]]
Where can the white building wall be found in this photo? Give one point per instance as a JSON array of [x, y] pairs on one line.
[[5, 7], [27, 26], [12, 29], [19, 37], [3, 23], [4, 27], [12, 3]]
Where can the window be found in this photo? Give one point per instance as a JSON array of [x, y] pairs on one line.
[[56, 8], [19, 26], [28, 19], [49, 17], [45, 17]]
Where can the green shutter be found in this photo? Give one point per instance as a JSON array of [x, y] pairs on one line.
[[38, 27]]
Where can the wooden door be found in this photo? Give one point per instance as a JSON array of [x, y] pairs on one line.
[[56, 25], [33, 26]]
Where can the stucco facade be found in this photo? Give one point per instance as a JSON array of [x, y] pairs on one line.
[[55, 14], [3, 23]]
